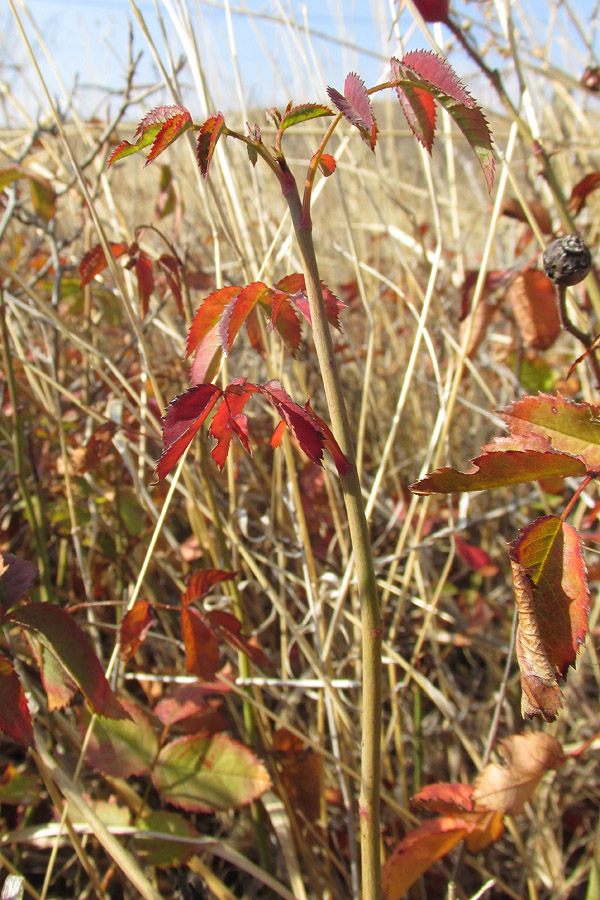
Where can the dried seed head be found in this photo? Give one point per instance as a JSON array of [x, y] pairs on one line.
[[567, 260]]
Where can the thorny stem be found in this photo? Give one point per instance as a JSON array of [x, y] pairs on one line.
[[365, 572], [586, 339]]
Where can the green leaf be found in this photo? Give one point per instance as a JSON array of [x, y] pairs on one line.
[[303, 113], [162, 848], [209, 773], [123, 747], [499, 468], [569, 427], [160, 127], [59, 632]]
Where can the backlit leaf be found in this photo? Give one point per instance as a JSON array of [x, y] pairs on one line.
[[94, 261], [134, 628], [303, 113], [159, 128], [59, 632], [15, 719], [327, 164], [553, 602], [284, 319], [183, 419], [209, 773], [210, 133], [355, 105], [294, 285], [238, 309], [417, 105], [431, 73], [122, 748], [203, 337], [527, 758]]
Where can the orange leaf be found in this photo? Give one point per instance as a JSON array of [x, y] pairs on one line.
[[134, 628], [301, 773], [418, 851], [94, 261], [553, 603], [533, 300]]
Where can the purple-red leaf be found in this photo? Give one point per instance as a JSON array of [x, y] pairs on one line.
[[16, 577], [227, 422], [230, 628], [428, 72], [160, 127], [210, 133], [301, 424], [182, 421], [294, 285], [145, 280], [15, 719], [355, 105], [94, 261], [57, 630], [202, 582], [417, 105]]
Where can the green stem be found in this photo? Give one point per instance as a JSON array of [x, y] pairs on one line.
[[369, 799]]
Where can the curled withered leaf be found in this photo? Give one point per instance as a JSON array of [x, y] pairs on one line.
[[527, 757], [541, 693], [533, 300]]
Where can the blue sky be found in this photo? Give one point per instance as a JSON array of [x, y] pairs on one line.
[[88, 42]]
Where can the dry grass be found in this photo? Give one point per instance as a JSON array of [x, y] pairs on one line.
[[395, 234]]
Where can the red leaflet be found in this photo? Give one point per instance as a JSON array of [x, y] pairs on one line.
[[327, 164], [230, 629], [331, 445], [134, 629], [302, 425], [200, 583], [295, 287], [238, 309], [15, 719], [355, 106], [207, 141], [227, 422], [145, 280], [94, 261], [417, 105], [203, 336], [475, 557], [182, 421], [201, 645], [433, 10], [160, 127], [284, 319], [425, 71], [170, 266]]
